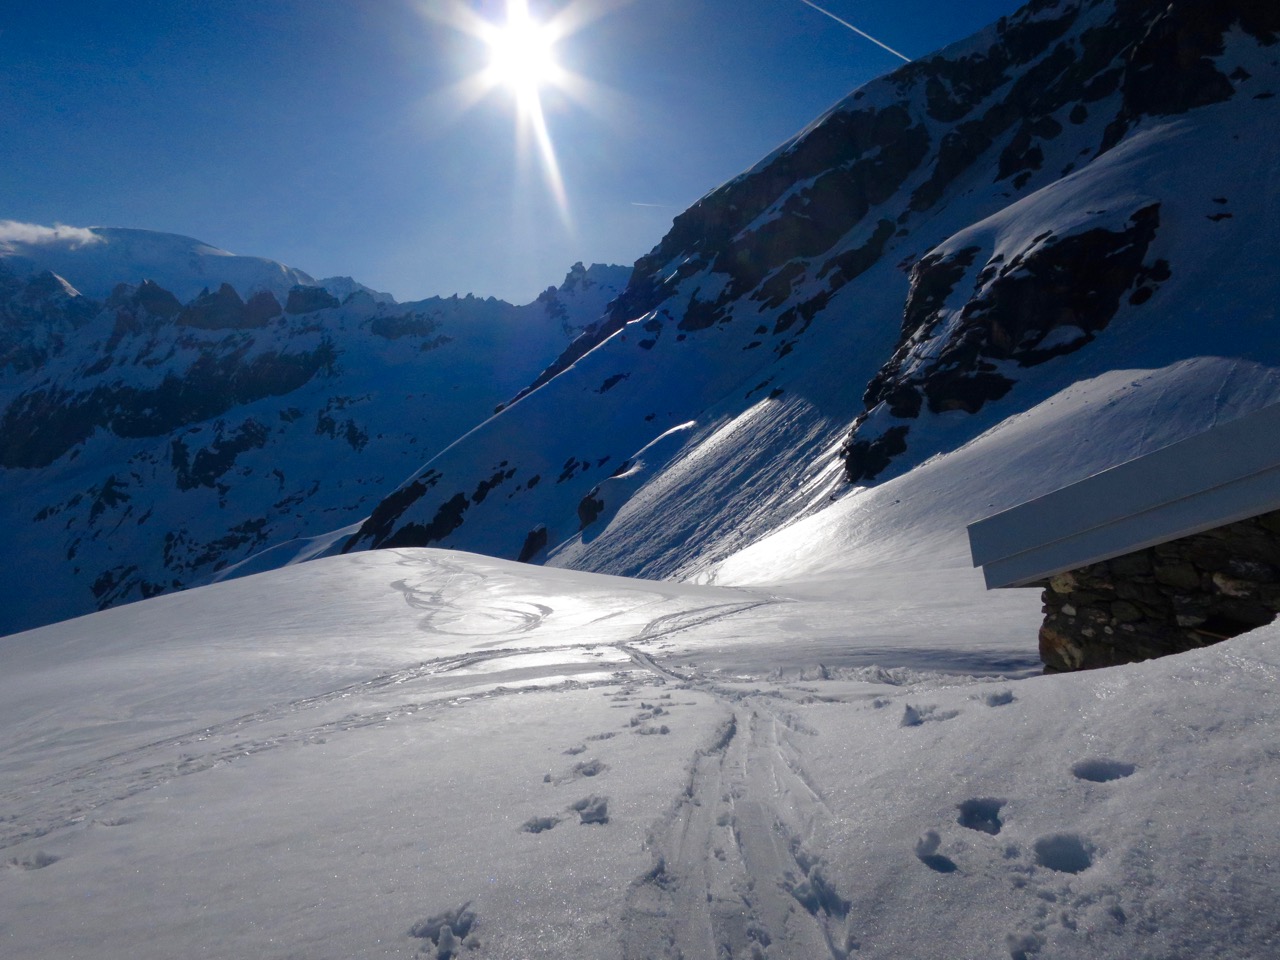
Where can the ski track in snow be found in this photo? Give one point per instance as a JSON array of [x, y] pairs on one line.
[[737, 856], [732, 871], [732, 875], [70, 796]]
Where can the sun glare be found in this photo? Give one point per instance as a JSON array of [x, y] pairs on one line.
[[521, 53], [521, 60]]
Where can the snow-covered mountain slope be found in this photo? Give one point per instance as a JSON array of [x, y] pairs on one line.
[[95, 259], [342, 758], [1083, 188], [834, 744], [146, 445]]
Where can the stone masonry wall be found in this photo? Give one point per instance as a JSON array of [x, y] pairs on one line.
[[1165, 599]]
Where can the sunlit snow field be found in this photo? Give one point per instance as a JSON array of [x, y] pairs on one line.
[[342, 758], [838, 744]]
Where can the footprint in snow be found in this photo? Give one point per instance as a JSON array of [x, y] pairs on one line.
[[650, 731], [575, 750], [112, 821], [447, 933], [592, 809], [1023, 946], [588, 768], [539, 824], [981, 813], [1064, 852], [916, 716], [37, 861], [927, 853], [1101, 770], [649, 712], [585, 768], [815, 893]]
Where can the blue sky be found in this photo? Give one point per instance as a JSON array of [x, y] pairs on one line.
[[322, 133]]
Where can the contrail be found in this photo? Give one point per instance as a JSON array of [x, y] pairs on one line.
[[865, 36]]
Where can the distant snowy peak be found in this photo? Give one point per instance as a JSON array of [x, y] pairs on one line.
[[344, 287], [584, 294], [95, 260]]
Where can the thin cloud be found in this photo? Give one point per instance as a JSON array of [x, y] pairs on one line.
[[14, 231]]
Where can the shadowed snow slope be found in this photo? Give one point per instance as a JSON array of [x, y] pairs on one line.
[[147, 445], [344, 757]]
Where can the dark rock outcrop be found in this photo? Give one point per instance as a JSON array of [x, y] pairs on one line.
[[222, 310], [1171, 69], [42, 424], [148, 298], [534, 544], [309, 300], [208, 465], [1049, 299]]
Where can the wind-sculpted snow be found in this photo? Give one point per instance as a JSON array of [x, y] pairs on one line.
[[437, 754], [948, 247], [146, 444]]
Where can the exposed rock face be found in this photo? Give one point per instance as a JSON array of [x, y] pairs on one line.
[[309, 300], [38, 316], [1171, 70], [1031, 305], [147, 298], [45, 423], [1050, 298], [1176, 596], [221, 310]]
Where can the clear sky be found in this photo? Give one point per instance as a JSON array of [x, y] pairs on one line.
[[331, 134]]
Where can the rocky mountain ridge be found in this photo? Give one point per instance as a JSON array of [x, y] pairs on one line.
[[146, 444]]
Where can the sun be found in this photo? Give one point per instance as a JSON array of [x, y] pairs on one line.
[[522, 53], [520, 59]]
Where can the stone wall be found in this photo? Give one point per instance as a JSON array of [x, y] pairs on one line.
[[1165, 599]]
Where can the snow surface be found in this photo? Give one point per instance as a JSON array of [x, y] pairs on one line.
[[341, 758], [836, 744], [95, 259]]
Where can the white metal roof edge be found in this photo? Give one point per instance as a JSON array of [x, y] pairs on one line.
[[1209, 471], [1206, 510]]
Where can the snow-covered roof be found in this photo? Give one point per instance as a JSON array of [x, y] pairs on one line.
[[1227, 473]]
